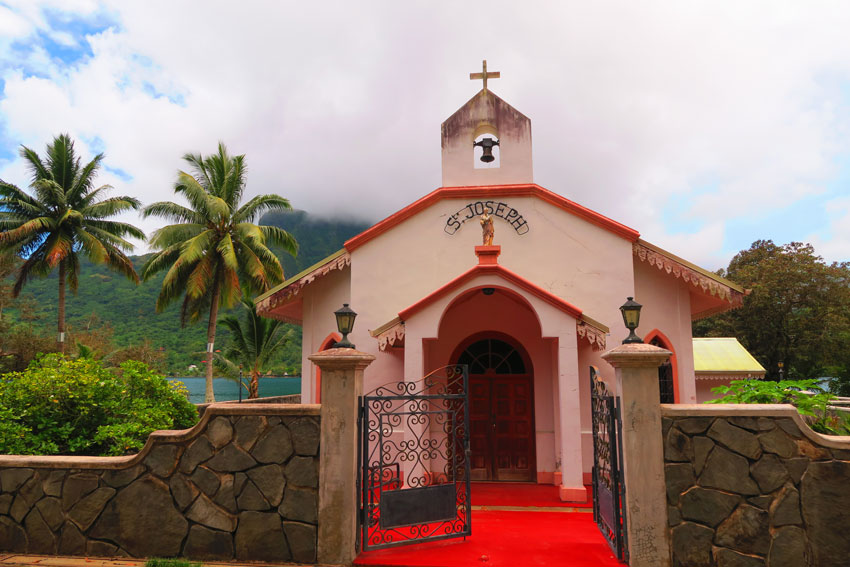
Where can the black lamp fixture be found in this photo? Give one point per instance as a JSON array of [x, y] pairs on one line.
[[631, 317], [344, 323]]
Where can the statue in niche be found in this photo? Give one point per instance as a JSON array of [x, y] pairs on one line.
[[487, 229]]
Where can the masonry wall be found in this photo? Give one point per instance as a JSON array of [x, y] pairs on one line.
[[242, 484], [752, 486]]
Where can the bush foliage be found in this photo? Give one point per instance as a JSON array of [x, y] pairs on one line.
[[79, 407], [810, 399]]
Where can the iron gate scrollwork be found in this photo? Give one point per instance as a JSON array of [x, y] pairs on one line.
[[609, 491], [414, 474]]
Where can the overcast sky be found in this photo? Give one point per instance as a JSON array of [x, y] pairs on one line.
[[705, 126]]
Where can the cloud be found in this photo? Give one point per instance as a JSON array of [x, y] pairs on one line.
[[726, 110]]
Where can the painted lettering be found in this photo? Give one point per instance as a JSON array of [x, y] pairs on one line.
[[477, 208]]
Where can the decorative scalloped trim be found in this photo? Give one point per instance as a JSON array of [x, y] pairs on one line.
[[688, 275], [394, 336], [294, 289]]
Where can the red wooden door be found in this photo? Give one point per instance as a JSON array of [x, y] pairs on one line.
[[501, 408]]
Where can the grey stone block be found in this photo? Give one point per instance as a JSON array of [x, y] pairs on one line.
[[271, 482], [728, 471], [122, 477], [231, 459], [259, 537], [183, 491], [12, 479], [302, 540], [702, 447], [785, 510], [305, 436], [51, 510], [275, 446], [71, 540], [706, 506], [769, 473], [198, 452], [205, 545], [728, 558], [76, 486], [300, 504], [162, 460], [304, 471], [219, 431], [678, 447], [691, 545], [89, 507], [248, 430], [203, 511], [12, 536], [788, 549], [778, 443], [39, 534], [739, 440], [131, 525], [206, 480], [746, 530], [251, 498], [694, 425], [825, 497]]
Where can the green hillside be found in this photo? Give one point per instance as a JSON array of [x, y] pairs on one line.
[[108, 299]]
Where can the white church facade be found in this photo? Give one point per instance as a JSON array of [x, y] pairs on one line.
[[529, 313]]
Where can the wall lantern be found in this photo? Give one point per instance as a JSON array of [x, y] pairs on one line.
[[631, 317], [344, 323]]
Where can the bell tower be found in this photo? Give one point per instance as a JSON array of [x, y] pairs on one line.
[[486, 141]]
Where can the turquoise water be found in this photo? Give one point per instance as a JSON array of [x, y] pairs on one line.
[[226, 390]]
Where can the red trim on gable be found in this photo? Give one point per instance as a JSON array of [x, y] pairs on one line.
[[496, 270], [488, 192]]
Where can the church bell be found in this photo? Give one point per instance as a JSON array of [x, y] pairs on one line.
[[487, 144]]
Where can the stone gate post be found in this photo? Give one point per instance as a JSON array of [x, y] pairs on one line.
[[636, 368], [342, 386]]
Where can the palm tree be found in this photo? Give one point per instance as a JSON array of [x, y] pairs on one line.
[[65, 216], [214, 249], [252, 345]]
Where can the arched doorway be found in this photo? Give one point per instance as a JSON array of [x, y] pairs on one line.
[[501, 408]]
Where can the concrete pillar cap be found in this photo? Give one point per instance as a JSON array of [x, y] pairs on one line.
[[341, 358], [636, 355]]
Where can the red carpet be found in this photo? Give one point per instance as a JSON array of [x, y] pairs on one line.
[[517, 494], [509, 539]]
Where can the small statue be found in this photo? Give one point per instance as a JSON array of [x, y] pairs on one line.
[[487, 229]]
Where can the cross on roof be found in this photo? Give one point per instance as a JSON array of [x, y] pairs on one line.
[[484, 75]]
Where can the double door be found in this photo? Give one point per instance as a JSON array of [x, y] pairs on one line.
[[501, 427]]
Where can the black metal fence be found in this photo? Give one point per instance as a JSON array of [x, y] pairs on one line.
[[609, 491], [414, 478]]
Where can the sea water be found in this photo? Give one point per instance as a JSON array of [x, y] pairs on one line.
[[226, 390]]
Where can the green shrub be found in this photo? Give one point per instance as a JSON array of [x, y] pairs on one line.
[[810, 399], [78, 407]]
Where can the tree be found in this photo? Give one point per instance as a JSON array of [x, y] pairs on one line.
[[65, 216], [253, 344], [214, 249], [798, 311]]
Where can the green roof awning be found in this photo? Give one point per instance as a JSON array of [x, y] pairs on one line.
[[724, 354]]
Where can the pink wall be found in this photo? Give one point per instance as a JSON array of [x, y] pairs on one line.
[[667, 307]]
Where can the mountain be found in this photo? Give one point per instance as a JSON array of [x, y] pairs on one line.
[[106, 298]]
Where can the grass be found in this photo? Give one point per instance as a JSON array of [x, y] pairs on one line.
[[171, 562]]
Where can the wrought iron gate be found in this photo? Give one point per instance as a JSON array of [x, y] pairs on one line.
[[609, 491], [414, 478]]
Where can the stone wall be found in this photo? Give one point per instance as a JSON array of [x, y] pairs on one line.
[[753, 486], [242, 484]]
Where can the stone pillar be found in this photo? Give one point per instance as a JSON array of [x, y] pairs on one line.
[[636, 368], [342, 386]]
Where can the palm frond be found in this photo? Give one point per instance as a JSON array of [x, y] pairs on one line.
[[84, 180], [111, 207], [37, 168], [260, 204], [279, 237], [174, 234], [173, 212], [116, 228]]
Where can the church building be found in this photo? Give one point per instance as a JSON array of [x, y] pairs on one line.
[[513, 279]]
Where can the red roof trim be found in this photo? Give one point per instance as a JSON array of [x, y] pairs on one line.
[[492, 191], [497, 270]]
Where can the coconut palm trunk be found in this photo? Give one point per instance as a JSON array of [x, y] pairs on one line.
[[60, 338], [254, 389], [209, 396]]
